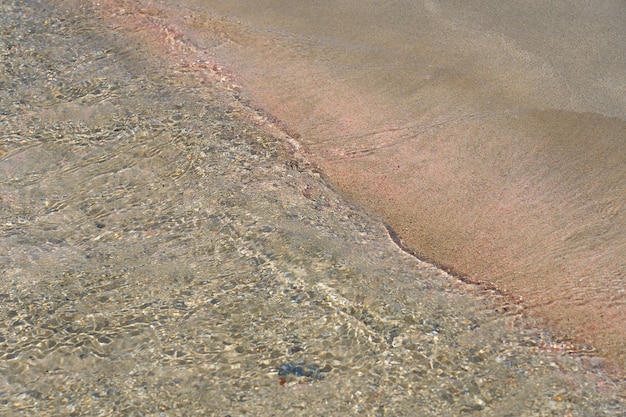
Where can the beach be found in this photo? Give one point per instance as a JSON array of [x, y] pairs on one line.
[[171, 247], [491, 139]]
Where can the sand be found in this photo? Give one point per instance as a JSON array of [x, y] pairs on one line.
[[491, 139], [163, 254]]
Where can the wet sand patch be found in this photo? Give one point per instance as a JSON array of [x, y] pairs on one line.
[[172, 257], [485, 152]]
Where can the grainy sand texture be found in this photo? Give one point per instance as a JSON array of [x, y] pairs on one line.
[[491, 137], [168, 248]]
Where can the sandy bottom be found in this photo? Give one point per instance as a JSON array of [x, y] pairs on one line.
[[161, 254], [480, 147], [481, 152], [551, 243]]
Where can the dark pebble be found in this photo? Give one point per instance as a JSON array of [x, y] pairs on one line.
[[309, 371]]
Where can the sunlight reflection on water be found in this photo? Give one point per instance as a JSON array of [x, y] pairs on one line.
[[161, 255]]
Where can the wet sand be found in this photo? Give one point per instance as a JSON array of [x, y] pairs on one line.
[[163, 254], [491, 139]]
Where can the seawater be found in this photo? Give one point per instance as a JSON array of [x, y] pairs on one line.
[[161, 254], [491, 137]]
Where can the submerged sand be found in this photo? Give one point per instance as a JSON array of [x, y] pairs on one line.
[[161, 254], [491, 139]]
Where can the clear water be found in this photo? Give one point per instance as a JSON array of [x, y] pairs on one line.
[[490, 136], [161, 255]]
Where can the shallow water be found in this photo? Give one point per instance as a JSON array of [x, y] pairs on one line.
[[491, 137], [163, 255]]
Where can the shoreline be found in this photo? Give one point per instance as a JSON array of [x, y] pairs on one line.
[[161, 253], [385, 191]]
